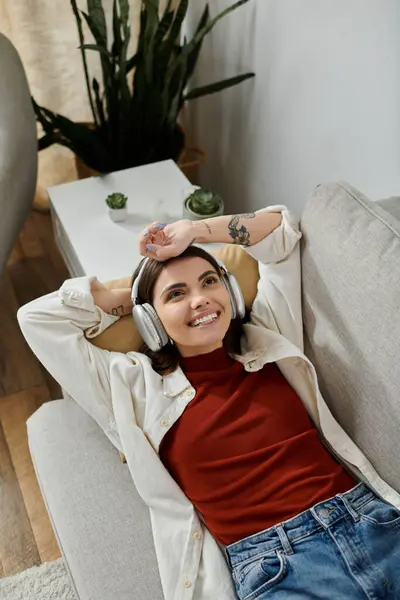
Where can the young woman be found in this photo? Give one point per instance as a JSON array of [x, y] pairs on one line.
[[253, 488]]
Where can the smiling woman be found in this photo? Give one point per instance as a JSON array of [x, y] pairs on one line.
[[195, 303]]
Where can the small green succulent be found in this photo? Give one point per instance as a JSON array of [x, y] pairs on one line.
[[203, 202], [116, 200]]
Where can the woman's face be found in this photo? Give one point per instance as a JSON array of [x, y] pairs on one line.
[[193, 305]]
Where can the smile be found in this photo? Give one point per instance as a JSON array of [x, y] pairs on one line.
[[205, 321]]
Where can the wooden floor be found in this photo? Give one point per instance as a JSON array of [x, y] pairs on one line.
[[35, 268]]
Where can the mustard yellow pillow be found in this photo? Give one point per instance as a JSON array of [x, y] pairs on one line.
[[123, 335]]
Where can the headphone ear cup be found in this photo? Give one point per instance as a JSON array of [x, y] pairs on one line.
[[237, 300], [149, 326]]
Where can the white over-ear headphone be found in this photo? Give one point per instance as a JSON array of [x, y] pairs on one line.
[[148, 322]]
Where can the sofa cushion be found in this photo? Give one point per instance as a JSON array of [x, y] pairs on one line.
[[123, 335], [351, 312]]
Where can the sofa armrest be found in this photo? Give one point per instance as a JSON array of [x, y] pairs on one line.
[[101, 524]]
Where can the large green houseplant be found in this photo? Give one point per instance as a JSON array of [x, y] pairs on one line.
[[136, 107]]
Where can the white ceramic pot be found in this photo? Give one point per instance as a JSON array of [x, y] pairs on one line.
[[189, 214], [118, 215]]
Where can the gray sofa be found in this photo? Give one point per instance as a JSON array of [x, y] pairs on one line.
[[351, 303]]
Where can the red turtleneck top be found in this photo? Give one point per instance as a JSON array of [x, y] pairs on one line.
[[245, 451]]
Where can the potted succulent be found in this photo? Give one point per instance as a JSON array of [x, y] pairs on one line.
[[202, 203], [116, 203], [136, 105]]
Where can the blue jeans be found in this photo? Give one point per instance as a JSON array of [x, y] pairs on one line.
[[347, 547]]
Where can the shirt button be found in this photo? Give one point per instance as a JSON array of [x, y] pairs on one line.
[[164, 422], [197, 535], [188, 392], [187, 583]]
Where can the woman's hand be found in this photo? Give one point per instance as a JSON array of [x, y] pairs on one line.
[[160, 241]]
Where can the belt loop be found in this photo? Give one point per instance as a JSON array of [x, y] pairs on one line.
[[352, 511], [284, 539]]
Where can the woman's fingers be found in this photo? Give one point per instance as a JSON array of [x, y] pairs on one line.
[[153, 233], [155, 226]]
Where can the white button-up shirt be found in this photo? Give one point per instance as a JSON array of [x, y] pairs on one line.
[[136, 407]]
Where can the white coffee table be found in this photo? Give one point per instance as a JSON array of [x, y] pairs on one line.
[[92, 244]]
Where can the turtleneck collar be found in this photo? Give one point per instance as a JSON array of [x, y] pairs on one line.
[[216, 360]]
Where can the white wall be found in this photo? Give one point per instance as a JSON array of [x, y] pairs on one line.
[[324, 106]]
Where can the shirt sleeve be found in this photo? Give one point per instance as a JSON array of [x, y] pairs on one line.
[[54, 326], [277, 305]]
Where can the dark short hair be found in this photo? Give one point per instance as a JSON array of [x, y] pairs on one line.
[[166, 360]]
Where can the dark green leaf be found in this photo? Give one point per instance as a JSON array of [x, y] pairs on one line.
[[99, 103], [45, 121], [124, 11], [194, 55], [168, 49], [176, 96], [131, 63], [163, 28], [198, 37], [117, 44], [179, 18], [97, 48], [83, 55], [97, 16], [85, 142], [47, 140], [212, 88], [96, 33], [168, 7]]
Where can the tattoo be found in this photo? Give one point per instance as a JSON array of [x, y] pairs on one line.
[[117, 311], [207, 226], [240, 235]]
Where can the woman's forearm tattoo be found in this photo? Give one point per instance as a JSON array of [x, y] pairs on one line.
[[207, 227], [240, 235], [117, 311]]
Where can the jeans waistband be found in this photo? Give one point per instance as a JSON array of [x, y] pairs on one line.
[[281, 536]]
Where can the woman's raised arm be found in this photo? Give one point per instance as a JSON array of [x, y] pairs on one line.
[[162, 241]]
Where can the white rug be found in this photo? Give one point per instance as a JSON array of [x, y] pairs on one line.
[[49, 581]]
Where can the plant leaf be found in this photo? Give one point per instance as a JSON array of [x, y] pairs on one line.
[[163, 27], [124, 11], [169, 49], [83, 55], [180, 15], [198, 37], [85, 142], [117, 44], [131, 62], [47, 140], [97, 48], [99, 103], [167, 7], [212, 88], [194, 55], [97, 16]]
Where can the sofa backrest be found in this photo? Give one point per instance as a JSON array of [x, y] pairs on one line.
[[351, 309], [18, 148]]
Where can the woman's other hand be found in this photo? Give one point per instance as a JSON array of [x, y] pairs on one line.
[[161, 241]]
